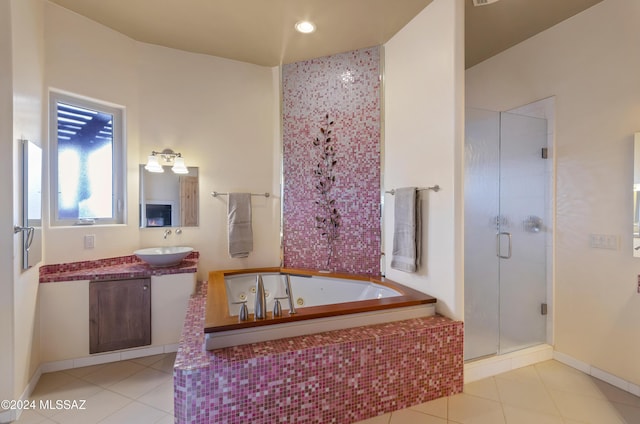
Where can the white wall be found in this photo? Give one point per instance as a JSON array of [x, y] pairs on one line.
[[590, 63], [423, 84], [220, 114], [6, 213], [28, 69], [91, 60]]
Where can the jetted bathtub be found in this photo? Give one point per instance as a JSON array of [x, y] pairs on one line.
[[323, 302]]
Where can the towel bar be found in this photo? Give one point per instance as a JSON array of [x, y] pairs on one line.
[[216, 194], [435, 188]]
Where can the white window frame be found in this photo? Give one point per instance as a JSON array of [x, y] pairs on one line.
[[118, 213]]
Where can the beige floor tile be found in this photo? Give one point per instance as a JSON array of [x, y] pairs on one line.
[[583, 408], [113, 373], [466, 409], [96, 407], [485, 388], [614, 394], [140, 383], [82, 371], [408, 416], [437, 407], [135, 413], [75, 390], [165, 364], [525, 374], [147, 361], [167, 419], [514, 415], [380, 419], [161, 397], [31, 417], [558, 376], [526, 393], [49, 382], [631, 414]]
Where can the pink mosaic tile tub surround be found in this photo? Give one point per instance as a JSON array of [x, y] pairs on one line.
[[120, 267], [338, 377], [347, 87]]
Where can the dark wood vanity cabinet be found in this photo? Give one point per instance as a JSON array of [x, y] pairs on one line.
[[119, 314]]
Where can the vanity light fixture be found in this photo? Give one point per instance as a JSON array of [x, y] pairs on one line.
[[169, 157], [179, 166], [305, 27], [153, 165]]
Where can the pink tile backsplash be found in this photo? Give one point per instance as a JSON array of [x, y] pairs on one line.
[[347, 87], [120, 267], [338, 377]]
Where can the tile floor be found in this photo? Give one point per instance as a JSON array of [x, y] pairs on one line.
[[546, 393], [140, 391]]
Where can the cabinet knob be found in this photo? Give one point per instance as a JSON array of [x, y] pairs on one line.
[[145, 287]]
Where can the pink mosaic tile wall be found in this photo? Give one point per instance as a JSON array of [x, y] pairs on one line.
[[347, 87], [340, 377]]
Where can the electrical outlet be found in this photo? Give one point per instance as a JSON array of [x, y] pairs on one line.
[[89, 241]]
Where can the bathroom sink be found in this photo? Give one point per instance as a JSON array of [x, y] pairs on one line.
[[163, 256]]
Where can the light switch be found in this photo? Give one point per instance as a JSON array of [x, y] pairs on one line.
[[603, 241]]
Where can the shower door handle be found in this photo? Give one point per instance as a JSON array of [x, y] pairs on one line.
[[498, 252]]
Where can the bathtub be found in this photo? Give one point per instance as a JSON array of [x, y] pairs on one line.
[[323, 302]]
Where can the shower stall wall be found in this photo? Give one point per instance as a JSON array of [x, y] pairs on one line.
[[505, 232]]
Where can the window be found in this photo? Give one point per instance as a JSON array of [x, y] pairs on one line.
[[87, 171]]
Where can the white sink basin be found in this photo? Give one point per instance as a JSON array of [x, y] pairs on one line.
[[163, 256]]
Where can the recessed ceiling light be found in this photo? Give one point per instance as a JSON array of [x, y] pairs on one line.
[[305, 27]]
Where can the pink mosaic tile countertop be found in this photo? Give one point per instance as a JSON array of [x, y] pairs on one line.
[[120, 267]]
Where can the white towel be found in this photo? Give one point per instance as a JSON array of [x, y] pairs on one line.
[[240, 232], [407, 230]]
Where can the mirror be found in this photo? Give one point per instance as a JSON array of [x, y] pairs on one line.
[[31, 204], [168, 199], [636, 200]]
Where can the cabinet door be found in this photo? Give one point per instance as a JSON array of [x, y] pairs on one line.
[[119, 314]]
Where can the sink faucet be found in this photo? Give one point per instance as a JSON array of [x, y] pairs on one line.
[[260, 308], [166, 233]]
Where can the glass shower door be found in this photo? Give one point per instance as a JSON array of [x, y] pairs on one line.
[[523, 281], [482, 205], [505, 243]]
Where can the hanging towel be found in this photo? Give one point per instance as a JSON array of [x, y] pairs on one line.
[[240, 232], [407, 230]]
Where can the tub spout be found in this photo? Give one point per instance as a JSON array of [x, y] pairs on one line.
[[292, 308], [260, 309]]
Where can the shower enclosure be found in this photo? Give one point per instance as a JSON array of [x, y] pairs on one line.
[[505, 232]]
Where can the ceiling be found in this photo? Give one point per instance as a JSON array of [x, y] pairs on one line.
[[262, 31]]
